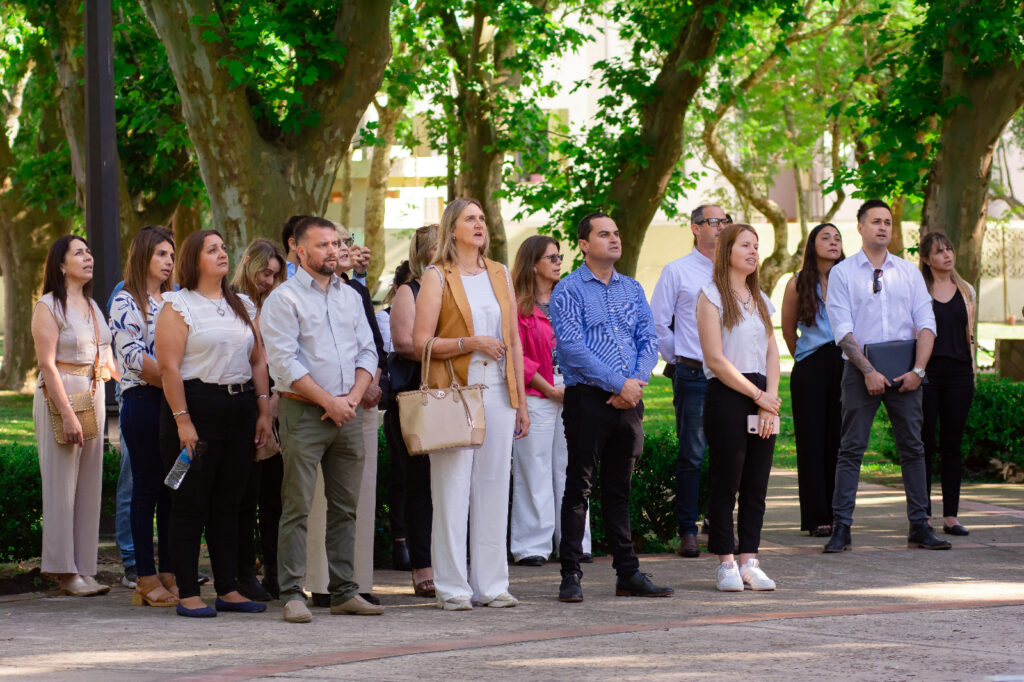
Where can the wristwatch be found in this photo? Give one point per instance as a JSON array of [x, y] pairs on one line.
[[918, 371]]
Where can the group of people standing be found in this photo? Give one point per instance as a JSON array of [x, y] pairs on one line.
[[269, 385]]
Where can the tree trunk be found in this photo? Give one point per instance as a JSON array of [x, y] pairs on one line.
[[637, 190], [956, 194], [255, 183], [345, 178], [377, 192], [896, 243], [480, 177], [187, 218]]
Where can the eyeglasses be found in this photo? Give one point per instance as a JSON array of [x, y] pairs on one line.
[[554, 258], [715, 222], [876, 282]]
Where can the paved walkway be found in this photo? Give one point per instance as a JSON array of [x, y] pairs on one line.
[[882, 611]]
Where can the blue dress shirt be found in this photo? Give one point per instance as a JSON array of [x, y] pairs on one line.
[[605, 332]]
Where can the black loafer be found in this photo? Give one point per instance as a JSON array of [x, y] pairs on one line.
[[586, 558], [531, 561], [688, 546], [955, 530], [640, 585], [250, 588], [840, 540], [924, 537], [321, 600], [570, 590], [370, 598]]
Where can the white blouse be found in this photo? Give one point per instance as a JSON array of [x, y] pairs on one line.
[[133, 337], [746, 344], [218, 347]]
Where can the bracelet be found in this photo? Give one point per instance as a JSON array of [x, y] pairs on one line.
[[461, 347], [263, 396], [758, 396], [70, 404], [175, 415]]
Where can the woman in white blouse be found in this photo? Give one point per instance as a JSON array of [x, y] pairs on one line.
[[741, 361], [214, 375], [132, 324]]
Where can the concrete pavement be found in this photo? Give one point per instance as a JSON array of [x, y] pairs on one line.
[[882, 611]]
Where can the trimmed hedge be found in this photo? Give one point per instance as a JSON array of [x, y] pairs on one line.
[[994, 426], [21, 504]]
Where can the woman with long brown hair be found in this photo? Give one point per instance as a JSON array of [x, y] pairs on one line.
[[741, 361], [817, 377], [133, 324], [261, 269], [72, 346], [467, 302], [214, 375], [950, 388], [539, 459]]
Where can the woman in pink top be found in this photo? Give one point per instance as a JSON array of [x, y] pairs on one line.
[[539, 459]]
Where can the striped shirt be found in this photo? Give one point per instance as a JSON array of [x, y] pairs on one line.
[[605, 332]]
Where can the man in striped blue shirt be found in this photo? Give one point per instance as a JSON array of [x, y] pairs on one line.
[[606, 348]]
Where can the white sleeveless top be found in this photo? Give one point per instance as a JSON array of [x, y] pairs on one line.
[[746, 344], [218, 347]]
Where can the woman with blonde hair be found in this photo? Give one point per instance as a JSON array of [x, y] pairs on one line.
[[950, 388], [741, 361], [133, 326], [467, 303], [411, 510], [261, 269], [539, 459]]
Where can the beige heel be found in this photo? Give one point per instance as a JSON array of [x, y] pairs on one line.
[[148, 585]]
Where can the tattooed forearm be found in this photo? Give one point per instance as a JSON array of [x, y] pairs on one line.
[[849, 345]]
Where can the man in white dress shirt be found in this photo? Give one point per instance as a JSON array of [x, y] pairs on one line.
[[322, 358], [674, 304], [876, 297]]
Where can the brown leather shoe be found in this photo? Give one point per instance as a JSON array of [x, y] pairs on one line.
[[688, 546]]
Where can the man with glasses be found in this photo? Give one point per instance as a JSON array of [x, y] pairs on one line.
[[876, 297], [674, 305]]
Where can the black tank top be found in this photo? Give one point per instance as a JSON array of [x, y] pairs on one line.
[[951, 329]]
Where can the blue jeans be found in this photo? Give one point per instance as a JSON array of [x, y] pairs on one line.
[[123, 510], [688, 387]]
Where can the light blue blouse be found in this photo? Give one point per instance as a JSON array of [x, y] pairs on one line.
[[813, 338]]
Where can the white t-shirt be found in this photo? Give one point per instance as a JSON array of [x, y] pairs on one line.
[[218, 347], [746, 344]]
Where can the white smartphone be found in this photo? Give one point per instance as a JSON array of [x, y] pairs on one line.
[[752, 425]]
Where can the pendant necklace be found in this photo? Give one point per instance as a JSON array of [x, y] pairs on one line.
[[219, 303], [746, 303]]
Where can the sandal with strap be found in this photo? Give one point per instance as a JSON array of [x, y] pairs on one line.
[[169, 583], [149, 591], [424, 588]]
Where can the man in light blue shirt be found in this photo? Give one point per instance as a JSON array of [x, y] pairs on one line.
[[876, 297], [606, 350]]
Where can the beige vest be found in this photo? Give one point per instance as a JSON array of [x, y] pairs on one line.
[[456, 320]]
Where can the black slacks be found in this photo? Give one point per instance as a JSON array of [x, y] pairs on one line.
[[739, 462], [946, 401], [271, 473], [417, 510], [598, 434], [816, 387], [210, 495]]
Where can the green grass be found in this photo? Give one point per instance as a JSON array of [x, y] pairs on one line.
[[16, 418]]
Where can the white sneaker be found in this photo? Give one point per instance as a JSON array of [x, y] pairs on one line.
[[455, 604], [729, 579], [754, 578], [503, 601]]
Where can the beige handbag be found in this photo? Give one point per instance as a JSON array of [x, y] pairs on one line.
[[434, 419]]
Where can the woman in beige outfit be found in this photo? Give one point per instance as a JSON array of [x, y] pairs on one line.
[[67, 327]]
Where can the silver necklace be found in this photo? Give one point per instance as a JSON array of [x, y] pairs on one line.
[[219, 303], [746, 303]]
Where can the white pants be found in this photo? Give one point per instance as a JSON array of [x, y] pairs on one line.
[[367, 509], [317, 576], [538, 481], [472, 485]]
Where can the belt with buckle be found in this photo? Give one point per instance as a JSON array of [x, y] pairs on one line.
[[230, 389], [689, 362]]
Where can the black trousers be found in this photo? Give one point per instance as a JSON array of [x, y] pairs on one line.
[[598, 434], [140, 414], [946, 400], [417, 510], [210, 495], [271, 473], [816, 386], [247, 524], [739, 462]]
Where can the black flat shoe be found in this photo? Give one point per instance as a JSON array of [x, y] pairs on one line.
[[955, 530], [531, 561], [321, 600], [570, 590], [840, 540], [250, 588], [924, 537], [400, 560], [640, 585], [370, 598], [586, 558]]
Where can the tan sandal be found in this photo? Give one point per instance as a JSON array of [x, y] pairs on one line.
[[150, 591], [169, 583]]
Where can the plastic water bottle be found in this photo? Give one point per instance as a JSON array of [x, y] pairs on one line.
[[181, 466]]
